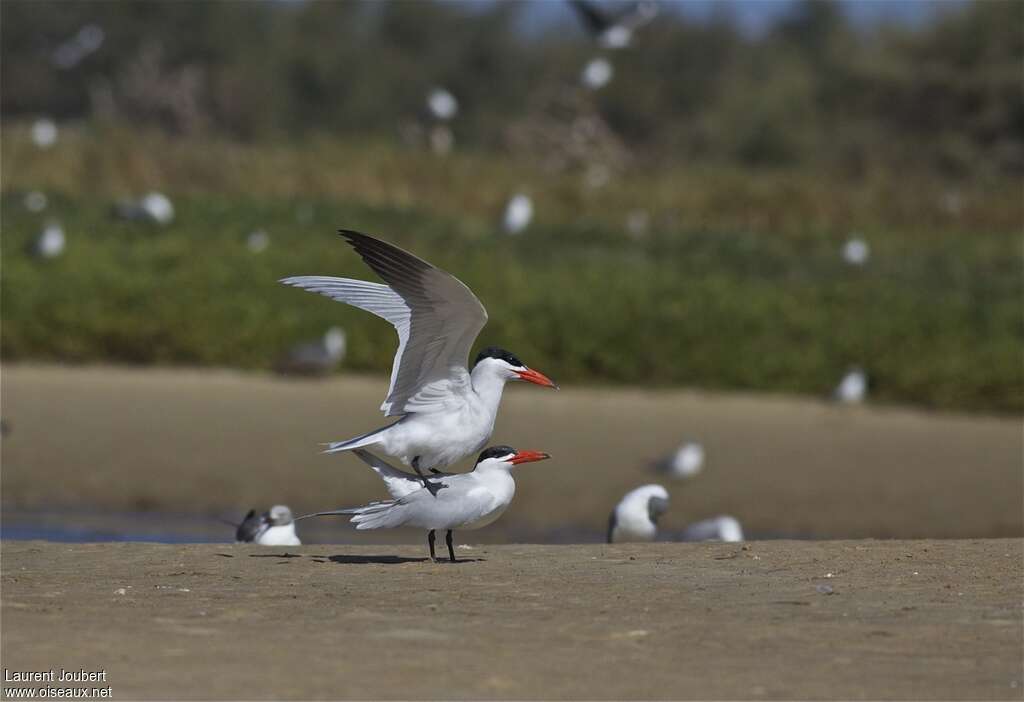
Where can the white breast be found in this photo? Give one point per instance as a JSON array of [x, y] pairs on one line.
[[279, 536]]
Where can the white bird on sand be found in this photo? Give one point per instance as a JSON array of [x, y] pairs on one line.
[[723, 528], [635, 518], [316, 358], [447, 410], [597, 73], [685, 462], [614, 30], [44, 132], [856, 252], [51, 241], [462, 500], [852, 388], [273, 528], [518, 213]]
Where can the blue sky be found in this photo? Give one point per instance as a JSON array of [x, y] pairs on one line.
[[756, 15]]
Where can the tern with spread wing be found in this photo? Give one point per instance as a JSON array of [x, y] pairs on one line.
[[447, 409], [463, 500]]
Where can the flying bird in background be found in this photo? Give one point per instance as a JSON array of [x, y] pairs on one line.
[[614, 29], [446, 408], [464, 501]]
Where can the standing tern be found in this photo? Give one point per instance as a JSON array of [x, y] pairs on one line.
[[447, 410], [635, 518], [463, 500], [273, 528]]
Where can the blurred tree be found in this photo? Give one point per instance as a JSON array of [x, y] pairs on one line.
[[942, 95]]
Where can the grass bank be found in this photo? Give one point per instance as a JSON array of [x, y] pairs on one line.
[[736, 284]]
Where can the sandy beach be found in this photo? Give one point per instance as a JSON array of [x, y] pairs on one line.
[[764, 620]]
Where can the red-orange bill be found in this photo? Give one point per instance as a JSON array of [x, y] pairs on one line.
[[529, 456], [532, 376]]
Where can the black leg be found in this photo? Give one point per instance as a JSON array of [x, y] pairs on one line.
[[448, 540], [430, 540], [432, 487]]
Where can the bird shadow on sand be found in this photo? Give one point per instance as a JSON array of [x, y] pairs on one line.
[[390, 560], [345, 559]]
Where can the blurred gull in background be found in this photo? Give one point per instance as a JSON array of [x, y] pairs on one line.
[[723, 528], [635, 518], [257, 241], [69, 54], [441, 139], [638, 222], [518, 213], [315, 358], [852, 388], [273, 528], [597, 73], [856, 251], [614, 29], [50, 242], [597, 176], [44, 132], [685, 462], [442, 104], [154, 207], [35, 201]]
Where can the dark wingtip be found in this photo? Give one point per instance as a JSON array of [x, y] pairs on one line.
[[352, 236]]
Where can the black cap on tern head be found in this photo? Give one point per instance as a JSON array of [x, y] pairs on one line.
[[495, 452], [495, 352]]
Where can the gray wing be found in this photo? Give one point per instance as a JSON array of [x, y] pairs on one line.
[[437, 318]]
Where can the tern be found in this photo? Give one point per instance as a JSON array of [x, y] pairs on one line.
[[447, 409], [273, 528], [635, 518], [463, 501], [614, 30]]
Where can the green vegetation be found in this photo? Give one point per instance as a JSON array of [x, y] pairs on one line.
[[738, 283], [750, 160]]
